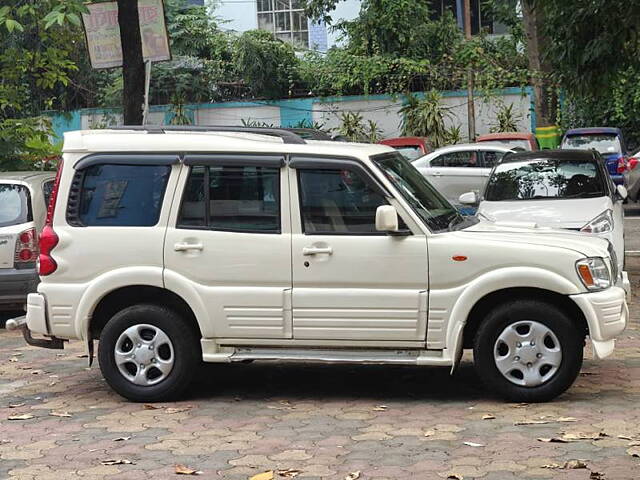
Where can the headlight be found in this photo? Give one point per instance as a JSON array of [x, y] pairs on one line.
[[601, 224], [594, 273]]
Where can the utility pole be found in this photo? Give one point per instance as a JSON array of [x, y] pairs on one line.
[[471, 111]]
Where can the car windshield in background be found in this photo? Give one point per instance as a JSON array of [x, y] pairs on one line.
[[425, 200], [14, 204], [410, 152], [544, 179], [522, 144], [604, 143]]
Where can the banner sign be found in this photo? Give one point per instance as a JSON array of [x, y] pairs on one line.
[[103, 33]]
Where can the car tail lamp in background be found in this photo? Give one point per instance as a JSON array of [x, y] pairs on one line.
[[26, 249], [633, 163], [48, 238], [623, 165]]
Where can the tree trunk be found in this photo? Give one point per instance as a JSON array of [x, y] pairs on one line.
[[132, 62], [545, 96]]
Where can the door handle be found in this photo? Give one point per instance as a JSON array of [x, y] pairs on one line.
[[437, 174], [317, 250], [185, 247]]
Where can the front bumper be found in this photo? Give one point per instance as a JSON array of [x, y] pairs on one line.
[[16, 284], [607, 314]]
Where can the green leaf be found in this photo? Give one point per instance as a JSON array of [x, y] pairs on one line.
[[13, 25], [3, 12], [73, 18]]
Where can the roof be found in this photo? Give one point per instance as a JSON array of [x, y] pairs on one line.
[[561, 155], [593, 130], [506, 136], [26, 176], [472, 146], [106, 140], [403, 141]]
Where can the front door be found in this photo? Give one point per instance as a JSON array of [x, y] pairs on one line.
[[351, 282], [229, 244]]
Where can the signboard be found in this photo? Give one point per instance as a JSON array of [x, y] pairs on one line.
[[103, 33]]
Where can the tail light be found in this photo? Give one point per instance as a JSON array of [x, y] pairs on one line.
[[633, 163], [49, 238], [622, 165], [26, 249]]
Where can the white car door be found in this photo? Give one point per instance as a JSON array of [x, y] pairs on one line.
[[351, 282], [230, 243], [455, 173]]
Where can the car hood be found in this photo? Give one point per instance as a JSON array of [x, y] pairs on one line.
[[584, 244], [571, 213]]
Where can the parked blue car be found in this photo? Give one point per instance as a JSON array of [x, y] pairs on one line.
[[608, 141]]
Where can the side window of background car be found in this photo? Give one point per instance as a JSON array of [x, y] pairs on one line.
[[232, 198], [490, 158], [337, 202], [461, 159]]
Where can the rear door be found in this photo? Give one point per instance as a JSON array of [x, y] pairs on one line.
[[15, 212], [229, 246]]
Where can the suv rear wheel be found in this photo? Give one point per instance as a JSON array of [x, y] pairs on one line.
[[528, 351], [147, 353]]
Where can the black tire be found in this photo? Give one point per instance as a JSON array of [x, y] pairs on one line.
[[570, 337], [186, 351]]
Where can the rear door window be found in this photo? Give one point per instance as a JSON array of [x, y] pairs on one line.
[[122, 195], [465, 159], [15, 204]]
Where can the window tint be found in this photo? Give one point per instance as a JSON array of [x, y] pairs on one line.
[[15, 204], [337, 201], [458, 159], [490, 158], [122, 195], [47, 188], [232, 198]]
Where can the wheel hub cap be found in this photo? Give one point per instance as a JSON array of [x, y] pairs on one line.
[[144, 354], [527, 353]]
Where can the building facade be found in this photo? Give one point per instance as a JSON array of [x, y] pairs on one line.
[[286, 19]]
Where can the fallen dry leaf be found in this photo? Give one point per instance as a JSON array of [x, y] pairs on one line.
[[552, 465], [552, 440], [520, 405], [151, 406], [37, 372], [60, 414], [634, 451], [24, 416], [178, 409], [121, 439], [545, 420], [533, 422], [18, 405], [575, 436], [268, 475], [566, 419], [488, 416], [184, 470], [353, 475], [574, 465], [635, 443], [625, 437], [380, 408], [455, 476], [117, 461], [289, 473], [596, 476], [82, 355], [13, 359], [429, 433], [473, 444]]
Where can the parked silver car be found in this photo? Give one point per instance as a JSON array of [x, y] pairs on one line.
[[23, 206], [457, 169]]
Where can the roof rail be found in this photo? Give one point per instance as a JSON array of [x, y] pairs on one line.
[[287, 136]]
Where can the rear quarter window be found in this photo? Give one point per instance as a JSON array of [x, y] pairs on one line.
[[120, 195], [15, 204]]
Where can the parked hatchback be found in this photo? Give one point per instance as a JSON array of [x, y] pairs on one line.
[[457, 169], [23, 206], [232, 245], [607, 141], [568, 189], [516, 140]]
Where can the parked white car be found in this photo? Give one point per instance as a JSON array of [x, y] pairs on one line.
[[567, 189], [23, 206], [457, 169], [178, 245]]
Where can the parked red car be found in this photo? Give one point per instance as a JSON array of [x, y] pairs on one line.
[[524, 140], [409, 147]]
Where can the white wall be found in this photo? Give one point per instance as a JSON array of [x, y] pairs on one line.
[[383, 112], [235, 115]]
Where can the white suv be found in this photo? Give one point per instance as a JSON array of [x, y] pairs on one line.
[[176, 246]]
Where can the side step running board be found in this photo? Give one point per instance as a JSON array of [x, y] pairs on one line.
[[400, 357]]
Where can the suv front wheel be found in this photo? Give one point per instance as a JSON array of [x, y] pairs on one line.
[[528, 351], [147, 353]]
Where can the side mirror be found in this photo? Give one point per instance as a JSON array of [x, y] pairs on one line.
[[622, 192], [386, 219], [469, 198]]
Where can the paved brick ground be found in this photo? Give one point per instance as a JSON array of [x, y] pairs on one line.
[[324, 421]]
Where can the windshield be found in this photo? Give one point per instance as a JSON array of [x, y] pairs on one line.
[[513, 143], [14, 204], [601, 142], [425, 200], [544, 179], [410, 152]]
